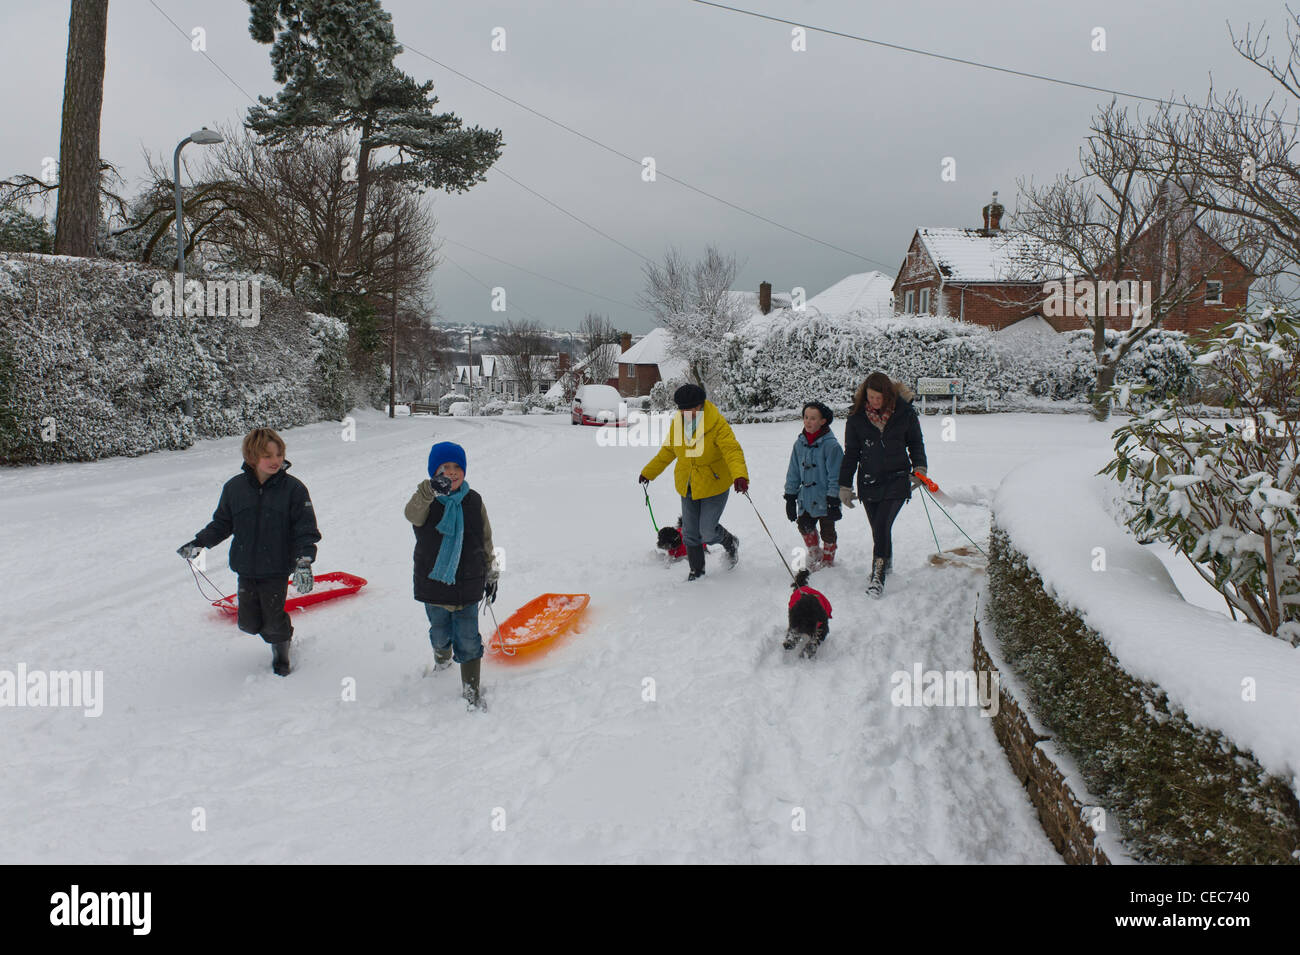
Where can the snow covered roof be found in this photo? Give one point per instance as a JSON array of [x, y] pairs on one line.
[[463, 372], [653, 350], [870, 292], [489, 364], [753, 320], [970, 255], [1033, 327], [613, 351]]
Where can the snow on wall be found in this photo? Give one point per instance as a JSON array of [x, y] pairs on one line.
[[87, 370], [1198, 657]]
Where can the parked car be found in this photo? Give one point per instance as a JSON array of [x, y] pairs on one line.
[[599, 405]]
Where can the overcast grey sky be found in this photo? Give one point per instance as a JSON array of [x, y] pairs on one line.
[[843, 141]]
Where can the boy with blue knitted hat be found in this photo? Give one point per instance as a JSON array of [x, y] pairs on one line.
[[454, 564]]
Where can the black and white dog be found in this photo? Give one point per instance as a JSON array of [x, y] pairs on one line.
[[810, 614]]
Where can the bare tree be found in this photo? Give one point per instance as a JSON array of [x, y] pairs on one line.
[[523, 347], [595, 332], [1135, 213], [77, 222], [693, 302]]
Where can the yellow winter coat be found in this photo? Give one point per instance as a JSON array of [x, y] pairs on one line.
[[708, 463]]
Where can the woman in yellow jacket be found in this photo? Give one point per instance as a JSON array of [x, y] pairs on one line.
[[709, 461]]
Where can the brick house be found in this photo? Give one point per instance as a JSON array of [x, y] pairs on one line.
[[646, 362], [995, 277]]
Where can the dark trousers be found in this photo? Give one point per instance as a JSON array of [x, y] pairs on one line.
[[261, 608], [807, 524], [880, 515]]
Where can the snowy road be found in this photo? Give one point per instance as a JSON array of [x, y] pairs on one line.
[[736, 748]]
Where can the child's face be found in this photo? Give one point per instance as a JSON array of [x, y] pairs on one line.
[[270, 462], [812, 420], [454, 474]]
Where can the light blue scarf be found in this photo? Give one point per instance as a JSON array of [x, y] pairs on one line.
[[452, 529]]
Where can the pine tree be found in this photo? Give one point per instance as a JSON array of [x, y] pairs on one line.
[[77, 220], [335, 59]]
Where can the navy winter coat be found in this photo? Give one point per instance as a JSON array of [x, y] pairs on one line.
[[884, 462], [814, 472], [273, 523]]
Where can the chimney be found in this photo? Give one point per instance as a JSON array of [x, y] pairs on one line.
[[562, 365], [627, 341], [765, 297], [993, 215]]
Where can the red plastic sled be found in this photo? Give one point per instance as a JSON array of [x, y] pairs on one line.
[[532, 629], [336, 583]]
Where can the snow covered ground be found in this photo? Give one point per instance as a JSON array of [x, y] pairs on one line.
[[737, 747]]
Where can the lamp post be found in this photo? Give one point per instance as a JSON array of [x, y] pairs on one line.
[[204, 137]]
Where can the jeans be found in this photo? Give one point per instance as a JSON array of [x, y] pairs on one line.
[[457, 629], [880, 515], [700, 519]]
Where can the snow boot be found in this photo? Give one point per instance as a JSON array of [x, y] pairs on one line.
[[280, 658], [813, 556], [828, 554], [876, 586], [731, 544], [469, 679], [695, 557], [441, 661]]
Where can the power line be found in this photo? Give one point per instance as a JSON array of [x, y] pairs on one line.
[[182, 32], [572, 215], [540, 275], [633, 159], [489, 288], [975, 63]]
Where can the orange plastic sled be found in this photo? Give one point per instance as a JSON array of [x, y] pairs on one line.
[[534, 628]]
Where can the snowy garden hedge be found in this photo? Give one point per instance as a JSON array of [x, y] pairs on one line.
[[1182, 722], [828, 358], [87, 370]]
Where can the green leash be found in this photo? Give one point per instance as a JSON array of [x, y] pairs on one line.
[[925, 492], [653, 523]]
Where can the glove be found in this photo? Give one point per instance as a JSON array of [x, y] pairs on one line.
[[916, 482], [302, 579], [742, 485], [833, 508], [425, 490], [189, 551], [490, 589], [643, 479], [440, 483], [846, 496], [789, 507]]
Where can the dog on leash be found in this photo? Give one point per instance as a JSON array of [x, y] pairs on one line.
[[672, 543], [810, 614]]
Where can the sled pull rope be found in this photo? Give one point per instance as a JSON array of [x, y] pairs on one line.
[[929, 487], [196, 573], [770, 537], [496, 634]]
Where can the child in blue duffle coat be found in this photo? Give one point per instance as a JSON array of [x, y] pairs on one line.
[[812, 484], [454, 564]]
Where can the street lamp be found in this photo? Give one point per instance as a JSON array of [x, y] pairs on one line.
[[204, 137]]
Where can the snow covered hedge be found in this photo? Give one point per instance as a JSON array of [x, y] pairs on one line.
[[828, 358], [87, 370], [1181, 721]]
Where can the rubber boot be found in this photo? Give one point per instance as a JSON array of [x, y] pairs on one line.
[[695, 557], [441, 659], [828, 554], [280, 658], [814, 553], [730, 544], [469, 674]]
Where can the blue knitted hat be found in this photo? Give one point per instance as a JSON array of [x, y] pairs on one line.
[[444, 452]]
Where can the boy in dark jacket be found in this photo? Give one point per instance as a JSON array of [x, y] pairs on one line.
[[883, 444], [269, 513], [454, 564]]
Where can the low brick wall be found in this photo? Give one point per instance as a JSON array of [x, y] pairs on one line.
[[1059, 810]]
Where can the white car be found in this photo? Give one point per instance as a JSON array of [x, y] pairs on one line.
[[599, 405]]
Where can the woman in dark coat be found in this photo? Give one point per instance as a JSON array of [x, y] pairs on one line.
[[883, 444]]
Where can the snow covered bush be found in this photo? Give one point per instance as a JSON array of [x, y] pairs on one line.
[[23, 232], [447, 400], [661, 399], [828, 357], [87, 370], [1226, 495]]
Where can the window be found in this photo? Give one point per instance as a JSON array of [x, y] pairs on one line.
[[925, 302], [1213, 293], [908, 302]]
